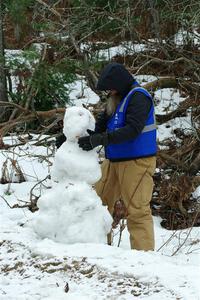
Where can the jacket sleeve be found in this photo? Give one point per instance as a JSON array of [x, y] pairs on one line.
[[136, 116], [101, 122]]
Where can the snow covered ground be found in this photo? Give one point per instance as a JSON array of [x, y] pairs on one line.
[[35, 269], [32, 268]]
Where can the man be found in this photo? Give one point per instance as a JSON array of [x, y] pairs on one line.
[[127, 130]]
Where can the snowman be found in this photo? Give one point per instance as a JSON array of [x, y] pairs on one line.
[[71, 212]]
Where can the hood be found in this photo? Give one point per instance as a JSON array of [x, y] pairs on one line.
[[115, 77]]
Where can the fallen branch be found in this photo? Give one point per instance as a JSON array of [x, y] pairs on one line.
[[155, 60], [173, 82], [38, 115], [179, 112], [11, 104], [169, 160]]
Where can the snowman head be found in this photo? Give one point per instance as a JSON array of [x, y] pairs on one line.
[[76, 122]]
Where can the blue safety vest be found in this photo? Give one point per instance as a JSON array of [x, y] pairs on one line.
[[144, 144]]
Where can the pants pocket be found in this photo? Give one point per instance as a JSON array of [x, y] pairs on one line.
[[148, 163], [105, 170]]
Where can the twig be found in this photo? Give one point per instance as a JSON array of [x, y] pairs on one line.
[[15, 205], [122, 227], [189, 231], [34, 198], [49, 8], [167, 241]]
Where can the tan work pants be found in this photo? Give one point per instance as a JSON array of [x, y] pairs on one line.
[[132, 182]]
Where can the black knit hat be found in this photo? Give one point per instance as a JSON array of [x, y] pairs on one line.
[[115, 77]]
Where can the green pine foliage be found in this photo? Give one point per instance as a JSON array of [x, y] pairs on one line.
[[50, 83], [45, 82], [17, 9], [96, 16]]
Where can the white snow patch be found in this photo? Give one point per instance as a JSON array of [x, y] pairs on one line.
[[81, 94], [142, 79], [196, 193], [166, 130], [127, 47], [182, 37], [168, 100], [35, 166]]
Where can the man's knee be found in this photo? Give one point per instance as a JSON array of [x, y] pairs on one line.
[[140, 227]]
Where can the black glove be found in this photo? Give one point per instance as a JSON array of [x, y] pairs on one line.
[[90, 132], [60, 140], [88, 143]]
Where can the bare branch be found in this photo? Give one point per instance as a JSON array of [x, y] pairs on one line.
[[49, 8]]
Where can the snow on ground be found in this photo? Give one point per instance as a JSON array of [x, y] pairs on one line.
[[167, 129], [80, 93], [167, 100], [35, 269], [34, 166], [183, 37], [127, 47]]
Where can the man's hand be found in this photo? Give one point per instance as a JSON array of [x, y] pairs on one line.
[[88, 143], [90, 132]]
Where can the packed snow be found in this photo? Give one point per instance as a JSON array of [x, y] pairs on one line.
[[72, 212], [71, 162]]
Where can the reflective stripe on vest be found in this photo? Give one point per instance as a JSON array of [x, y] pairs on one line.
[[147, 128], [131, 92]]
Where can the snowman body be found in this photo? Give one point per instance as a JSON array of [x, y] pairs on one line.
[[72, 212]]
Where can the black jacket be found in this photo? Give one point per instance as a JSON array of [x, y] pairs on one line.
[[115, 77]]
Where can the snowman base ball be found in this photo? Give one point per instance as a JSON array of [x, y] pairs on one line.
[[72, 212], [73, 215]]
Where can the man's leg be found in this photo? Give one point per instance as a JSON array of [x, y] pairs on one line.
[[107, 188], [136, 186]]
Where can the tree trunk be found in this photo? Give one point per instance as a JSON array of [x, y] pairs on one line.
[[156, 25], [3, 89]]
